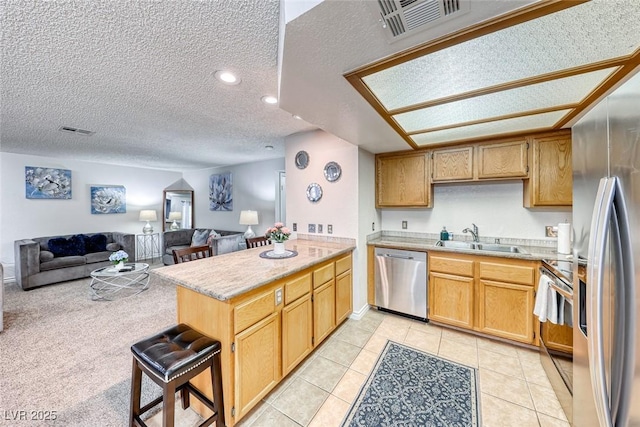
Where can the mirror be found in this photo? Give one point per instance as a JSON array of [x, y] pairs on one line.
[[177, 209]]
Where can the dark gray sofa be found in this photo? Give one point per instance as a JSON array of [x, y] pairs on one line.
[[229, 241], [35, 266]]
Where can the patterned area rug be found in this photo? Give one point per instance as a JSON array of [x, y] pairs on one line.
[[410, 388]]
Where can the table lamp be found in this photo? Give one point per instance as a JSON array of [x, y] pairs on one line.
[[175, 217], [148, 215], [249, 218]]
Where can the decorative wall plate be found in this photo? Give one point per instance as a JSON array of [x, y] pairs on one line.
[[332, 171], [302, 159], [314, 192]]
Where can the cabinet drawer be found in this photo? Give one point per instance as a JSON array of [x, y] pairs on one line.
[[323, 275], [296, 288], [343, 264], [252, 311], [460, 267], [524, 275]]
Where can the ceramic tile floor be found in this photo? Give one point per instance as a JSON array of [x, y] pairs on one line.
[[514, 387]]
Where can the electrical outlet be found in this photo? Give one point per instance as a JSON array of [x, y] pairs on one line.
[[319, 228], [551, 231], [404, 225], [278, 296], [330, 229], [295, 226], [312, 228]]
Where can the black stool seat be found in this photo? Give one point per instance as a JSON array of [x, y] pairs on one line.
[[175, 351], [171, 358]]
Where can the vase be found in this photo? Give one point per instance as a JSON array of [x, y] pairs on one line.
[[119, 265], [278, 248]]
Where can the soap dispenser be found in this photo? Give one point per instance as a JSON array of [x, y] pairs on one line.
[[444, 234]]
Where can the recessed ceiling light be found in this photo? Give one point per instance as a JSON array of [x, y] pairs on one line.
[[297, 117], [271, 100], [227, 77], [77, 131], [268, 147]]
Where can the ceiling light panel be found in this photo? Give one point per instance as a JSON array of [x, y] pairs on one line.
[[606, 29], [520, 124], [569, 90]]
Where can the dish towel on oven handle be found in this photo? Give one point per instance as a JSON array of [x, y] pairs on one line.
[[546, 306]]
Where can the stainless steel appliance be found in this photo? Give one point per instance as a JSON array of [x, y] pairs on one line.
[[606, 221], [401, 282], [556, 340]]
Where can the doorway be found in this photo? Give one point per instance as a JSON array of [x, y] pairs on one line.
[[281, 197]]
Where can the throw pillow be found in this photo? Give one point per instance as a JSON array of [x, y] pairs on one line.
[[212, 235], [96, 243], [113, 246], [60, 246], [46, 256], [199, 237]]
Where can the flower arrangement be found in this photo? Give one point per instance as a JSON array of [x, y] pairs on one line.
[[278, 233], [120, 256]]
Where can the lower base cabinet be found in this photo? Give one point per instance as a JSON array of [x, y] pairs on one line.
[[451, 299], [268, 331], [506, 310]]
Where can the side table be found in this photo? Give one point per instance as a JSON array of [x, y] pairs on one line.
[[148, 246]]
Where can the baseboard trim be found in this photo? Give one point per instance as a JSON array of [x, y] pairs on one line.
[[357, 315]]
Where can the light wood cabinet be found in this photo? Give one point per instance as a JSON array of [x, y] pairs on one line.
[[451, 290], [257, 350], [402, 180], [551, 178], [452, 164], [344, 289], [503, 160], [268, 331], [557, 337], [491, 295], [297, 332]]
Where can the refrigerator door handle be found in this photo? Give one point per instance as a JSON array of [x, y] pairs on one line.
[[595, 315]]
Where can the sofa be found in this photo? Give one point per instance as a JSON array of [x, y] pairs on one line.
[[221, 241], [45, 260]]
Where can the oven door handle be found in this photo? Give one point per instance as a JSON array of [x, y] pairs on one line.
[[566, 294]]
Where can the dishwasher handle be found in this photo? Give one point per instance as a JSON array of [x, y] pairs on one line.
[[398, 256]]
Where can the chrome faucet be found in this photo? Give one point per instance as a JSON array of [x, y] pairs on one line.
[[473, 232]]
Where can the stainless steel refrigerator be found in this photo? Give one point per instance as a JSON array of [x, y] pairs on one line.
[[606, 226]]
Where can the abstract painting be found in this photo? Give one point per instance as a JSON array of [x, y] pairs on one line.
[[220, 192], [108, 199], [47, 183]]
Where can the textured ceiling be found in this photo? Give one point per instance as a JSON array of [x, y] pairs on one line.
[[140, 75]]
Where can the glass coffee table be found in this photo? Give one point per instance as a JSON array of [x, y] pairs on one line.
[[110, 282]]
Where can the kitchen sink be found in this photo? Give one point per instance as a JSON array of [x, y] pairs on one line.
[[491, 247], [456, 244], [495, 247]]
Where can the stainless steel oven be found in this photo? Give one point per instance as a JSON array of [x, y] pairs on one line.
[[556, 340]]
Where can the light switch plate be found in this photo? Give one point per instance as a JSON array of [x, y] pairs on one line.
[[404, 225], [330, 229], [319, 228], [295, 226], [312, 228], [551, 231]]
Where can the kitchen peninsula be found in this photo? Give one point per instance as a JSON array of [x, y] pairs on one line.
[[269, 314]]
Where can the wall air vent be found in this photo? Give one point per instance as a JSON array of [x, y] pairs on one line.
[[402, 18], [75, 130]]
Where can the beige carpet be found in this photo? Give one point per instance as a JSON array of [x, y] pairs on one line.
[[61, 351]]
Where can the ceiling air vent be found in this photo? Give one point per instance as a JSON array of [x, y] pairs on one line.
[[402, 18], [75, 130]]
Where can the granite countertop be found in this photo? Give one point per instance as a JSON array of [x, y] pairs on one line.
[[229, 275], [429, 244]]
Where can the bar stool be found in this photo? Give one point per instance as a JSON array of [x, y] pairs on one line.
[[171, 358]]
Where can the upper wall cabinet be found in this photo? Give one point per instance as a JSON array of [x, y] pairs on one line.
[[452, 164], [503, 160], [551, 178], [484, 161], [402, 180]]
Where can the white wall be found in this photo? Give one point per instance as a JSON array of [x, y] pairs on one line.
[[496, 208], [22, 218], [339, 203], [254, 188]]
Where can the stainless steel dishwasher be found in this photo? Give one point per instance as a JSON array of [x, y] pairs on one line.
[[401, 282]]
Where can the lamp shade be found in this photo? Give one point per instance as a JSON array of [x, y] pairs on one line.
[[248, 217], [148, 215], [175, 216]]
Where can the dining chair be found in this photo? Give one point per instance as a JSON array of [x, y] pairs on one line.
[[256, 242], [192, 253]]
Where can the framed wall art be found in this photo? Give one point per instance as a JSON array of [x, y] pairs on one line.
[[220, 192], [47, 183], [108, 199]]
